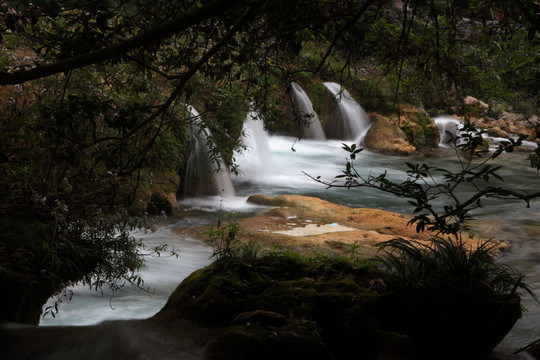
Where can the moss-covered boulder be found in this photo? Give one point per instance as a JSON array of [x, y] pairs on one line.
[[324, 304], [420, 129], [293, 338], [284, 305], [157, 193]]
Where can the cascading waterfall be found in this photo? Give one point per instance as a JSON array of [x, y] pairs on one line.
[[352, 122], [311, 126], [507, 221], [202, 176], [448, 127], [256, 139]]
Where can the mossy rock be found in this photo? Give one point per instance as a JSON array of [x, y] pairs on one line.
[[312, 304], [280, 284], [295, 339], [157, 194], [322, 101], [421, 130], [277, 304]]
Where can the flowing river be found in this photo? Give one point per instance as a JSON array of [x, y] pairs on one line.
[[281, 170]]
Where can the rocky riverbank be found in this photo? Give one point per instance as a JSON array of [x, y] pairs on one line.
[[309, 225]]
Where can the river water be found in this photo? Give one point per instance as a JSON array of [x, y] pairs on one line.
[[282, 170]]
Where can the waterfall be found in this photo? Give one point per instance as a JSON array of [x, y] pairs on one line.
[[256, 139], [448, 127], [311, 126], [509, 221], [203, 176], [352, 122]]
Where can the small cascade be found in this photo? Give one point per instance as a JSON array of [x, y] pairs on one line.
[[202, 176], [448, 127], [311, 126], [256, 139], [351, 122]]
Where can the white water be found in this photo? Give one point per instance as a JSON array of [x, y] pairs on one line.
[[310, 127], [353, 119], [202, 173], [509, 221], [448, 128], [256, 139], [161, 276]]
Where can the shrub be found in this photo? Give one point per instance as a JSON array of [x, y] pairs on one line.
[[447, 262]]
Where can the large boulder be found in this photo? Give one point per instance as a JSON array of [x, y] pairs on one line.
[[475, 107], [515, 124], [497, 132], [158, 195], [509, 124], [386, 137], [465, 325], [283, 306], [420, 129], [280, 306]]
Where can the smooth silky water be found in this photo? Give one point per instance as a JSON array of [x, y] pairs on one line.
[[274, 165], [509, 221], [283, 172]]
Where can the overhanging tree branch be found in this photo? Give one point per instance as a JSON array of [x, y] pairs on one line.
[[423, 190], [156, 33], [339, 34], [188, 75]]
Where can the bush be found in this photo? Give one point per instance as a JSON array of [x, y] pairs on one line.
[[448, 263]]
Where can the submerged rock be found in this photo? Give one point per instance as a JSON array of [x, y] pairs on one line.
[[308, 225]]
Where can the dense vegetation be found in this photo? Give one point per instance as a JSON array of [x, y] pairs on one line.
[[94, 120]]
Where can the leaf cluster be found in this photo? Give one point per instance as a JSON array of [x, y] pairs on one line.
[[442, 198]]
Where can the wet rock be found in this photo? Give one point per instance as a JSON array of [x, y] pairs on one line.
[[386, 137], [468, 325], [282, 306], [534, 350]]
